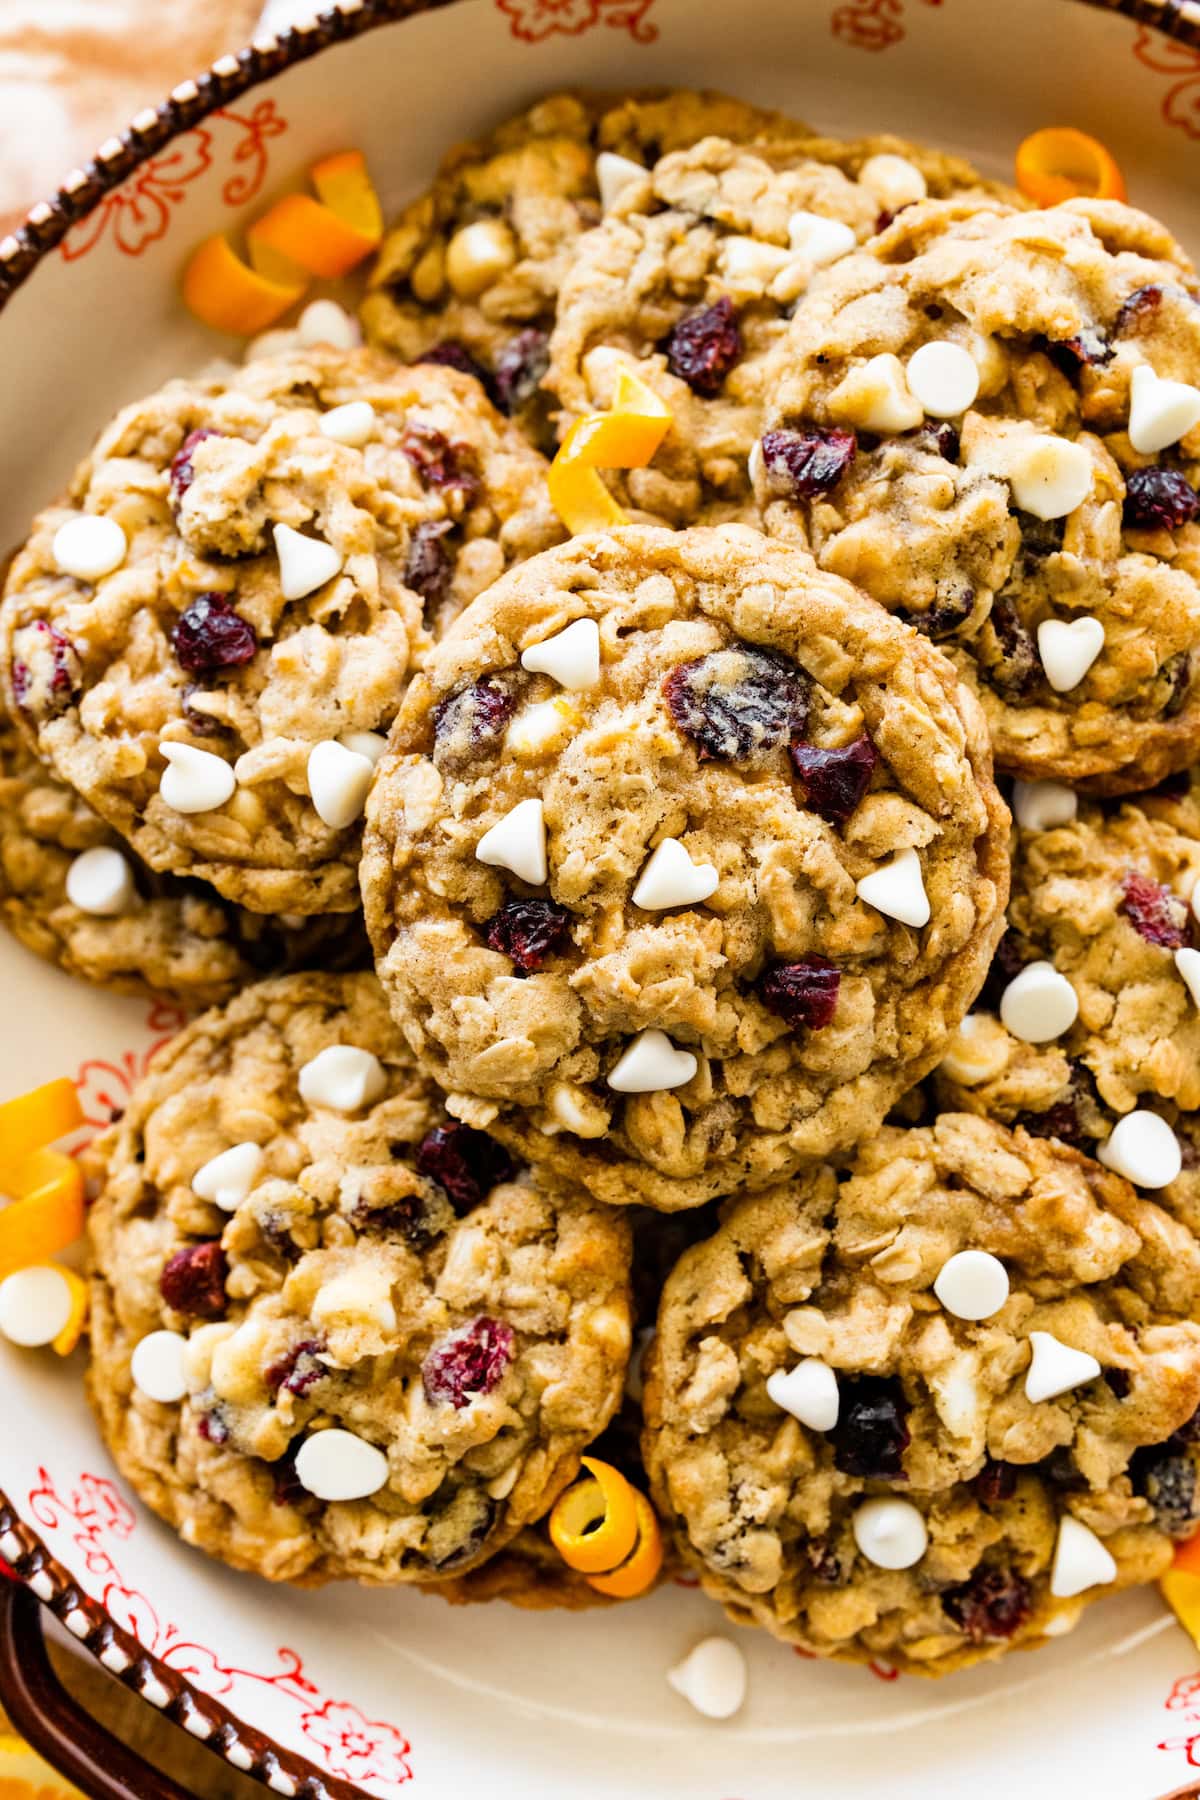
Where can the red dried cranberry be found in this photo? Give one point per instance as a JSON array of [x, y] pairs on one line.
[[468, 1363], [996, 1481], [1015, 669], [1058, 1121], [1154, 911], [466, 1164], [943, 618], [1159, 500], [200, 724], [519, 369], [213, 1426], [704, 346], [298, 1369], [825, 1564], [801, 464], [182, 473], [430, 565], [1141, 305], [940, 438], [46, 676], [210, 635], [992, 1605], [1089, 349], [805, 993], [408, 1218], [871, 1436], [441, 463], [740, 703], [1167, 1480], [450, 354], [193, 1280], [473, 720], [834, 781], [527, 931]]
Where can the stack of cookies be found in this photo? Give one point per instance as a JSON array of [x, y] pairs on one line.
[[637, 1018]]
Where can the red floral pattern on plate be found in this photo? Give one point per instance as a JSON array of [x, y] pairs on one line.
[[533, 21], [105, 1084], [871, 24], [339, 1738], [1181, 102]]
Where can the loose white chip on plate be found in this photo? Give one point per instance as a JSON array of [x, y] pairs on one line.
[[1041, 805], [1188, 964], [338, 1465], [1160, 411], [89, 546], [893, 180], [227, 1178], [614, 174], [944, 378], [651, 1064], [370, 744], [819, 240], [1068, 648], [875, 396], [1039, 1004], [809, 1392], [352, 424], [712, 1678], [898, 889], [35, 1304], [571, 656], [1143, 1148], [973, 1284], [338, 780], [325, 322], [194, 781], [100, 882], [1050, 476], [305, 563], [158, 1367], [518, 842], [890, 1533], [1080, 1560], [671, 878], [343, 1077], [1055, 1368]]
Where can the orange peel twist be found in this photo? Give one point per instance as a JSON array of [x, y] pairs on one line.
[[1060, 163], [607, 1531], [624, 437]]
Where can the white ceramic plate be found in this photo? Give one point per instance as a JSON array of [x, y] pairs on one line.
[[391, 1692]]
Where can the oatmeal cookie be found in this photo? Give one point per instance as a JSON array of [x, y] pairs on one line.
[[248, 586], [385, 1347], [644, 916], [949, 426], [872, 1456]]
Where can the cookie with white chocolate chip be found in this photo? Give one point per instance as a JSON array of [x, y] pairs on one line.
[[205, 638], [927, 1409], [332, 1333], [986, 419], [683, 863]]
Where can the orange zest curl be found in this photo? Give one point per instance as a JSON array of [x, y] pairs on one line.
[[45, 1213], [1180, 1587], [1060, 163], [594, 1524], [638, 1573], [72, 1331], [624, 437], [39, 1117]]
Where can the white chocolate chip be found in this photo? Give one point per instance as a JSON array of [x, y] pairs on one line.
[[100, 882], [979, 1051], [809, 1392], [305, 563], [1055, 1368], [893, 181], [1143, 1148], [477, 255], [898, 889], [357, 1295], [352, 424], [712, 1678], [517, 842], [576, 1111], [539, 729], [89, 547], [337, 1465], [158, 1367], [227, 1178], [1039, 1004], [972, 1284], [1068, 648], [613, 175], [651, 1064], [370, 744], [194, 781], [1188, 964], [875, 396], [890, 1533], [749, 266], [945, 379], [1080, 1560], [571, 656], [1160, 411], [325, 322], [343, 1077], [338, 781], [1041, 805], [671, 878], [1049, 476], [819, 240], [35, 1305]]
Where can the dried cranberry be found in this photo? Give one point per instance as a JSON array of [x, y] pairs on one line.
[[430, 565], [943, 618], [871, 1436], [527, 931], [473, 720], [1176, 673], [939, 437], [200, 724], [408, 1218], [466, 1164], [805, 993], [46, 675], [1168, 1481], [1089, 349], [1060, 1121], [289, 1490], [1016, 666], [704, 346], [468, 1363], [1141, 304], [193, 1280], [298, 1369], [439, 462], [519, 369], [182, 473], [210, 635], [992, 1604], [825, 1563], [450, 354], [1154, 911], [996, 1481], [740, 703], [1159, 500], [213, 1426], [1039, 537], [1118, 1381], [834, 781], [801, 464]]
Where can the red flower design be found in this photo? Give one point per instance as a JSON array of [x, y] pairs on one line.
[[871, 24], [1181, 102], [263, 122], [533, 21], [358, 1748]]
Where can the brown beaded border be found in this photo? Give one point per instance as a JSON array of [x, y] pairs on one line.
[[242, 1746]]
